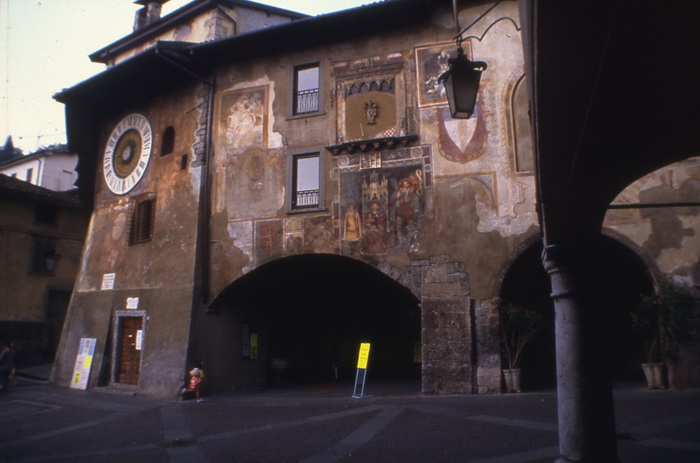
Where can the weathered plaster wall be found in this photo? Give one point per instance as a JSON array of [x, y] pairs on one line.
[[466, 202], [468, 178], [211, 25], [668, 236], [158, 272], [437, 204]]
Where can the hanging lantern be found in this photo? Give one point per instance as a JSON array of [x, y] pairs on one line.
[[461, 83], [51, 261]]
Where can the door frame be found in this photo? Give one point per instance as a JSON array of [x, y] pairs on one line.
[[119, 315]]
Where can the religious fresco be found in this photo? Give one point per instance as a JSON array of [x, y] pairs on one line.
[[293, 236], [268, 240], [318, 235], [458, 140], [253, 184], [431, 62], [382, 200], [371, 98], [369, 115], [243, 118]]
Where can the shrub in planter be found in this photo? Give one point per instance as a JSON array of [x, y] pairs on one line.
[[663, 320], [518, 327]]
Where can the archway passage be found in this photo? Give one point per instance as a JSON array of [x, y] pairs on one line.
[[623, 277], [300, 321]]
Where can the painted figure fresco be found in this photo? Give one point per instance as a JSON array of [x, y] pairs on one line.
[[268, 237], [432, 62], [375, 234], [243, 118], [405, 207], [352, 228], [390, 199]]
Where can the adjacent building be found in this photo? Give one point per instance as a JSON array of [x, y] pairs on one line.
[[41, 241], [48, 168]]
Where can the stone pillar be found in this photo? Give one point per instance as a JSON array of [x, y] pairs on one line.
[[446, 328], [488, 347], [584, 389]]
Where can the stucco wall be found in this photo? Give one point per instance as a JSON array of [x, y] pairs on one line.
[[470, 187], [667, 235], [158, 273], [471, 204]]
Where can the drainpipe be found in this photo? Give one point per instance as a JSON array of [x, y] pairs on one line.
[[201, 159], [204, 199]]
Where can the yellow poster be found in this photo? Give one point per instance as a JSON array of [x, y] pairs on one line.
[[253, 346], [364, 356], [83, 362]]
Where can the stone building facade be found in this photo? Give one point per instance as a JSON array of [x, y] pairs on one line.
[[41, 239], [266, 201], [48, 168]]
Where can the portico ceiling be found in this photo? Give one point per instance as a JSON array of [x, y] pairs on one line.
[[614, 95]]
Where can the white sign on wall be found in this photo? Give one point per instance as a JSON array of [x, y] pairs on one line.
[[108, 281], [139, 340], [132, 303]]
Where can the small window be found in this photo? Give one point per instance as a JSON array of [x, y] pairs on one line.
[[141, 228], [30, 172], [168, 143], [44, 257], [307, 80], [306, 181]]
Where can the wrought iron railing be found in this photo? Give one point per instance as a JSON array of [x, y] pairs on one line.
[[306, 101], [306, 198]]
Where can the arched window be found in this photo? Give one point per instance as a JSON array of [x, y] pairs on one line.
[[168, 143], [524, 155]]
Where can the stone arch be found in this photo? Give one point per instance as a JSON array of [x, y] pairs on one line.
[[653, 269], [523, 153], [524, 245], [437, 288], [524, 282]]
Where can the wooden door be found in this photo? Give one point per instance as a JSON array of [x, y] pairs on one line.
[[129, 354]]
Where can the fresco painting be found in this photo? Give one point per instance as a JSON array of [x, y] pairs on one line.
[[318, 235], [268, 241], [293, 236], [243, 118], [432, 62], [381, 208]]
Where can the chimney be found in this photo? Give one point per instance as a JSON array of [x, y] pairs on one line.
[[148, 14]]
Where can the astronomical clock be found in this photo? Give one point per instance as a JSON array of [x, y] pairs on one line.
[[127, 153]]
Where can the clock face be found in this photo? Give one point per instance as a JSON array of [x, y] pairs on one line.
[[127, 153]]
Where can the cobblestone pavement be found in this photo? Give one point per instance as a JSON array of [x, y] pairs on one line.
[[43, 423]]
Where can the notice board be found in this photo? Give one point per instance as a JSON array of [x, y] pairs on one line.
[[83, 362]]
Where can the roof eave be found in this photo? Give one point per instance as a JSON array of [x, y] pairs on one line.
[[105, 54]]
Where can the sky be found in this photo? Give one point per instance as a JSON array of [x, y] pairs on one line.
[[45, 46]]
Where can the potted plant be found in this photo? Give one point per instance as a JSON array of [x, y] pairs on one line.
[[663, 319], [518, 327]]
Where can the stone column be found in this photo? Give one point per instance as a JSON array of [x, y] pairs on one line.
[[584, 389], [446, 328]]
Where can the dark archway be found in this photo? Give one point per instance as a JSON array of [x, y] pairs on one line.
[[624, 277], [307, 314]]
